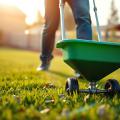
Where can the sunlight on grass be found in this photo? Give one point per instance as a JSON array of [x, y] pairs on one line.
[[28, 94]]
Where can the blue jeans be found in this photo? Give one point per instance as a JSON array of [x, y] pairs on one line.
[[80, 9]]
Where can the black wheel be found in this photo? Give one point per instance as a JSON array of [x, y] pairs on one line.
[[72, 86], [113, 86]]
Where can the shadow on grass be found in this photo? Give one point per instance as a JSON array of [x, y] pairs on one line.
[[58, 73]]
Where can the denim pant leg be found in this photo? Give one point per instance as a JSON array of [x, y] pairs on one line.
[[81, 12], [52, 16]]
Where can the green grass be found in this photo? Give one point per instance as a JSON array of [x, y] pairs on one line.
[[29, 95]]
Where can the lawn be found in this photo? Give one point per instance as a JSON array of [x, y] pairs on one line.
[[26, 94]]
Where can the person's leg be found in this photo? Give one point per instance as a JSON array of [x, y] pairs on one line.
[[52, 16], [81, 13]]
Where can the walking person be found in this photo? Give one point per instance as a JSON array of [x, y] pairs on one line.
[[81, 13]]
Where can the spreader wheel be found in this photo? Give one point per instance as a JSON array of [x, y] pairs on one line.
[[113, 87], [72, 86]]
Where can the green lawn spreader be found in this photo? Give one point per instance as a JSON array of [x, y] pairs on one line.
[[92, 59]]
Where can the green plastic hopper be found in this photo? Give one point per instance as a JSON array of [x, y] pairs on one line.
[[94, 60]]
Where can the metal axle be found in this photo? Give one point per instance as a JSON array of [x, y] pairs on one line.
[[93, 90]]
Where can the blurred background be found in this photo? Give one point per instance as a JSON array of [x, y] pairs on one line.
[[21, 22]]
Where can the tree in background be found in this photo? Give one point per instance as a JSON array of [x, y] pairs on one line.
[[112, 21], [114, 18]]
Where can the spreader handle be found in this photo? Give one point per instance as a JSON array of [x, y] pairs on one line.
[[62, 23], [97, 22]]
